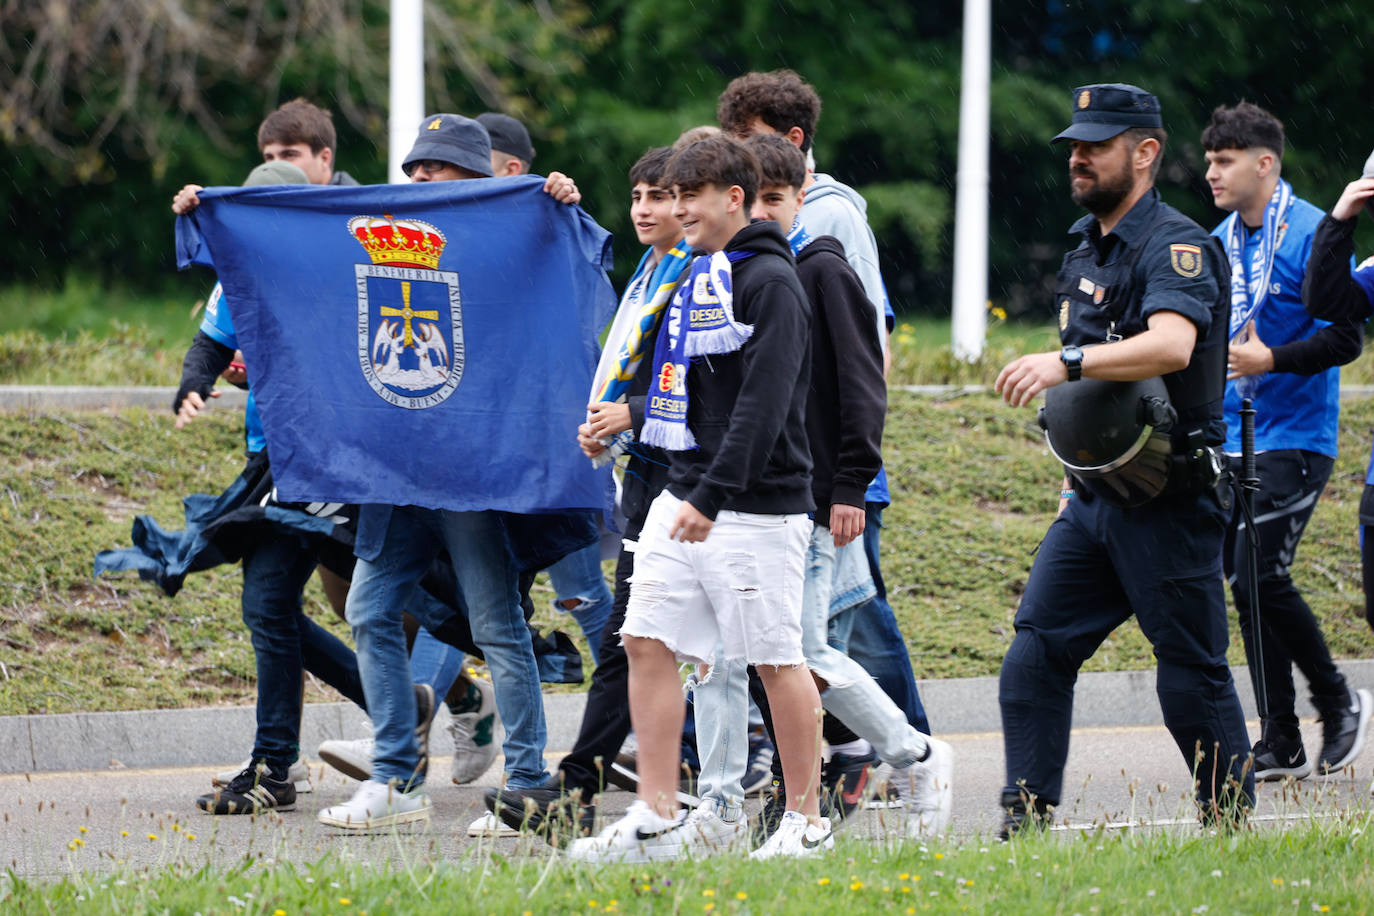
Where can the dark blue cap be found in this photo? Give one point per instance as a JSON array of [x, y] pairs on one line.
[[1104, 110], [507, 135], [454, 139]]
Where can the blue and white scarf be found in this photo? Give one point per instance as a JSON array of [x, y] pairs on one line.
[[797, 237], [708, 327], [1248, 296]]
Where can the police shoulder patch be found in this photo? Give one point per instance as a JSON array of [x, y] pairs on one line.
[[1186, 260]]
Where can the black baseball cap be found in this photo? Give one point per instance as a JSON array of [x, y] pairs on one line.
[[507, 135], [1103, 110], [454, 139]]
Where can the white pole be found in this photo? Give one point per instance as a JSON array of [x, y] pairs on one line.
[[407, 82], [969, 327]]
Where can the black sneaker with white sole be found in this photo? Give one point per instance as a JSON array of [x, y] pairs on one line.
[[1278, 756], [256, 789], [1344, 728], [550, 811]]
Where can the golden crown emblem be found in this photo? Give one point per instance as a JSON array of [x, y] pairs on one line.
[[399, 242]]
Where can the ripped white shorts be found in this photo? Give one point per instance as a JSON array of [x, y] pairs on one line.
[[741, 587]]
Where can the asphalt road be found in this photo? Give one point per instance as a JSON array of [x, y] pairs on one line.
[[147, 818]]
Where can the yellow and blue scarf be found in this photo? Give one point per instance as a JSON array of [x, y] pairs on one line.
[[635, 321]]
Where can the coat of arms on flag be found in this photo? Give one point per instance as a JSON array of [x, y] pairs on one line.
[[410, 320]]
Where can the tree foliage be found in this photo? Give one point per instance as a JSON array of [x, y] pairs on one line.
[[108, 106]]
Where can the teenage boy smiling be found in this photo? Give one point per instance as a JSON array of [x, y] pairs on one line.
[[722, 554], [844, 423]]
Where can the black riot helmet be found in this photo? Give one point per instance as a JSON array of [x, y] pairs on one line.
[[1112, 436]]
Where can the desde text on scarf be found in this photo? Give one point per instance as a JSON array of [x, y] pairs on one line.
[[701, 322]]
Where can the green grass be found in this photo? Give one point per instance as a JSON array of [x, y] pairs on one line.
[[1313, 866], [974, 489]]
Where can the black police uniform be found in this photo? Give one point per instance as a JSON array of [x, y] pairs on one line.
[[1161, 561]]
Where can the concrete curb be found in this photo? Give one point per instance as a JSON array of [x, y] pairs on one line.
[[220, 736], [78, 397]]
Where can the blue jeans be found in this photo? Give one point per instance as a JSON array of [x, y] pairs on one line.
[[869, 634], [851, 693], [485, 569], [721, 709], [285, 641], [578, 576], [434, 663]]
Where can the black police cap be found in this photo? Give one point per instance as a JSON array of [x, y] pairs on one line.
[[1104, 110]]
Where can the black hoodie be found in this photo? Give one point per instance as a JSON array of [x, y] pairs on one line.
[[747, 409], [848, 399]]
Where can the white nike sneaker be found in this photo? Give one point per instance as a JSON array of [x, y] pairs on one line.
[[474, 732], [797, 837], [926, 790], [642, 835], [705, 833], [489, 825], [376, 805], [298, 774]]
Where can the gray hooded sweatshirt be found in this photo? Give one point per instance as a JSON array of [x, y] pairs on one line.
[[834, 208]]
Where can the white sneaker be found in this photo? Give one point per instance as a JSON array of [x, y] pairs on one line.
[[377, 805], [642, 835], [797, 837], [298, 774], [474, 733], [705, 833], [489, 825], [927, 790], [351, 758]]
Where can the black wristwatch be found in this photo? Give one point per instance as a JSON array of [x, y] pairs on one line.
[[1072, 358]]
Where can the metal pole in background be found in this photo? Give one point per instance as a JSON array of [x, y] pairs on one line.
[[407, 88], [969, 325]]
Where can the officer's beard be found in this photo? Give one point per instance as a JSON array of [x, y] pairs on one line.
[[1105, 194]]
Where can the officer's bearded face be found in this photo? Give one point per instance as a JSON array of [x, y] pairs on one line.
[[1100, 174]]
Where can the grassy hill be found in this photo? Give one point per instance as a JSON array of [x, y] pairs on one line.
[[974, 489]]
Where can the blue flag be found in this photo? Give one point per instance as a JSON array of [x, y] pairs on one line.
[[428, 345]]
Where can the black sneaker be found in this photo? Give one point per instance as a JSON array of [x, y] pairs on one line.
[[1278, 756], [256, 789], [1343, 732], [1018, 818], [774, 806], [624, 774], [758, 771], [844, 782], [1229, 813], [550, 811]]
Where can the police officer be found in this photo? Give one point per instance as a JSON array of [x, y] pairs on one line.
[[1144, 295]]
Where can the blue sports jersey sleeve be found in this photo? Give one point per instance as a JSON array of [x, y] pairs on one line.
[[217, 325]]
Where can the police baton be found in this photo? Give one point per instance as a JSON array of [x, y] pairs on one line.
[[1249, 485]]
